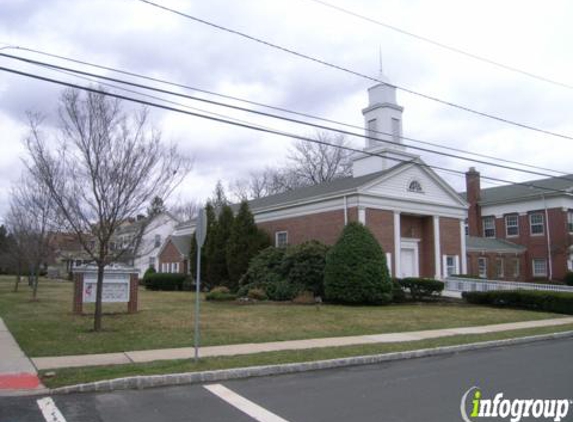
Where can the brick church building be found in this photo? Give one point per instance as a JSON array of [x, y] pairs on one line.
[[415, 215]]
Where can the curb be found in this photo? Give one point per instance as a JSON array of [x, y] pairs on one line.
[[150, 381]]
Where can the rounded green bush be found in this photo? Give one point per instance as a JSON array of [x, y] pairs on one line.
[[304, 265], [356, 270]]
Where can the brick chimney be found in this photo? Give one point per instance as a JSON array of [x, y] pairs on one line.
[[473, 192]]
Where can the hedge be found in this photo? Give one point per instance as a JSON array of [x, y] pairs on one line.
[[422, 288], [220, 294], [558, 302], [164, 281]]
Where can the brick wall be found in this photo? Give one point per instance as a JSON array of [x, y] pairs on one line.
[[537, 244], [491, 265], [169, 255], [473, 190], [381, 224], [323, 226]]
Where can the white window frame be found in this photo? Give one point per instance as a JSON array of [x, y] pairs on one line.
[[509, 226], [540, 223], [451, 265], [152, 261], [157, 240], [175, 267], [570, 221], [499, 267], [278, 242], [415, 186], [164, 267], [516, 267], [534, 268], [482, 264], [487, 221]]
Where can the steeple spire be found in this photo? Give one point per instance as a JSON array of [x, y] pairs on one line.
[[381, 76]]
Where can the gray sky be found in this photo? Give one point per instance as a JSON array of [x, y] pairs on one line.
[[131, 35]]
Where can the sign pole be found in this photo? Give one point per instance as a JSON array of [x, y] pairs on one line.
[[200, 234], [197, 302]]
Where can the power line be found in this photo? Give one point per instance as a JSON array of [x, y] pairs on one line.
[[444, 46], [270, 131], [187, 87], [356, 73], [265, 114]]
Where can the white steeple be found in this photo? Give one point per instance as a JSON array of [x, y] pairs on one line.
[[383, 129]]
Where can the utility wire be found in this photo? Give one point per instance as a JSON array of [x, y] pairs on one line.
[[274, 116], [274, 132], [444, 46], [356, 73], [187, 87]]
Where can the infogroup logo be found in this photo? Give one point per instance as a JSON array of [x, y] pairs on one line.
[[512, 409]]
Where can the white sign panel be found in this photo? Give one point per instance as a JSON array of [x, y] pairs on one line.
[[115, 288]]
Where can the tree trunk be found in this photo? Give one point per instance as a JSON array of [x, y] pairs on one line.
[[35, 282], [18, 278], [98, 303]]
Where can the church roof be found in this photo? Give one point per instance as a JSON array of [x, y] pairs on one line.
[[338, 186]]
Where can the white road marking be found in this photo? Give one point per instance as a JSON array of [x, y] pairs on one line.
[[50, 411], [246, 406]]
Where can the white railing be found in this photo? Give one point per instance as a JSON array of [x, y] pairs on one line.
[[458, 284]]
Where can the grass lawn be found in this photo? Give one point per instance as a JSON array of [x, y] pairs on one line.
[[71, 376], [165, 319]]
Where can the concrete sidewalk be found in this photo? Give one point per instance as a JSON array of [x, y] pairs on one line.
[[16, 371], [248, 348]]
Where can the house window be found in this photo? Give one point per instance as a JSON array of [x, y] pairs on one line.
[[175, 267], [488, 226], [516, 269], [466, 227], [164, 267], [512, 225], [570, 221], [415, 186], [372, 128], [152, 262], [499, 268], [396, 130], [539, 268], [157, 240], [451, 267], [536, 223], [482, 267], [281, 239]]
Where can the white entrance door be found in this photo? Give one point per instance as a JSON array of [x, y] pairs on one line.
[[409, 262]]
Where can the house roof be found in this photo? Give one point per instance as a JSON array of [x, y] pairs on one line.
[[525, 190], [345, 184], [478, 244], [182, 243]]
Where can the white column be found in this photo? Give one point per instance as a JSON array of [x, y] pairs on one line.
[[464, 256], [397, 245], [437, 249]]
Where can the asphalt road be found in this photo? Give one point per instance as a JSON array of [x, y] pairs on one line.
[[420, 390]]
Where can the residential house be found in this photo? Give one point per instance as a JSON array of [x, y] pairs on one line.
[[142, 240], [173, 257]]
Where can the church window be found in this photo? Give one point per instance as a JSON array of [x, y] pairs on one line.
[[415, 186], [396, 130]]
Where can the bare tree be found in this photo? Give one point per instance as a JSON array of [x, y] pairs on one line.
[[31, 219], [308, 164], [314, 163], [107, 166], [185, 210]]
